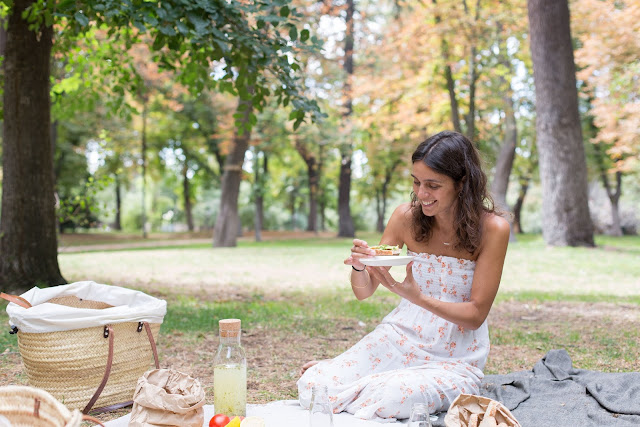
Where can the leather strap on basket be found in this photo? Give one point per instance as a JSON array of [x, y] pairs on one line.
[[153, 344], [108, 333], [16, 300]]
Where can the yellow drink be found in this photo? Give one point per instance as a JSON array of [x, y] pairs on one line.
[[230, 390]]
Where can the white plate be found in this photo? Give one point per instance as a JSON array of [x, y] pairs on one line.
[[387, 261]]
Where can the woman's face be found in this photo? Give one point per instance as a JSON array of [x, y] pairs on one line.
[[436, 192]]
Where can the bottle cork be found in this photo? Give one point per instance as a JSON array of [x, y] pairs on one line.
[[229, 327]]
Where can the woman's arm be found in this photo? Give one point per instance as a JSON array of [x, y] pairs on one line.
[[362, 283], [486, 279]]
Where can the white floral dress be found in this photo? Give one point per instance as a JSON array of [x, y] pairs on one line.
[[412, 356]]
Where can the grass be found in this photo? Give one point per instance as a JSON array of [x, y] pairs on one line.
[[295, 302]]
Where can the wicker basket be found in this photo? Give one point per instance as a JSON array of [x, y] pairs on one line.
[[96, 367], [26, 406]]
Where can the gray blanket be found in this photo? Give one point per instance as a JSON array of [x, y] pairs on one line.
[[556, 394]]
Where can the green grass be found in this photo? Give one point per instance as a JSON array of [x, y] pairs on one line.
[[301, 286], [297, 312]]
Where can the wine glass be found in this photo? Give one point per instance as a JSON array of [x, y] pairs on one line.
[[321, 410]]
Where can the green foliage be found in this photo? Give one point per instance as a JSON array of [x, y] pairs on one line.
[[187, 37], [83, 208]]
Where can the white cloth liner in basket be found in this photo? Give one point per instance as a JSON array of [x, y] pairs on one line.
[[128, 306]]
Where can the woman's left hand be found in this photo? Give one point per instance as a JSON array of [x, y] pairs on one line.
[[407, 289]]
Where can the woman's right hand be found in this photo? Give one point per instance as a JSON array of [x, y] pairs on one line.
[[359, 250]]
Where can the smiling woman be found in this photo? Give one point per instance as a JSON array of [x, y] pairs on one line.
[[434, 344]]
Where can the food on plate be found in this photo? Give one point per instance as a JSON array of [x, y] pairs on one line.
[[219, 420], [386, 249], [252, 422]]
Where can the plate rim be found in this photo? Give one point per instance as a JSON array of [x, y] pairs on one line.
[[407, 258]]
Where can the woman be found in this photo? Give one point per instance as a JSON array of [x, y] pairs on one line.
[[434, 344]]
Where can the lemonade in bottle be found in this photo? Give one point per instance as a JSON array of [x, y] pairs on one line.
[[230, 371]]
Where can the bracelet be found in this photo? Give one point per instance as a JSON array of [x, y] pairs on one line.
[[357, 269]]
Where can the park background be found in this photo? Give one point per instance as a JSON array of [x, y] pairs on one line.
[[227, 171]]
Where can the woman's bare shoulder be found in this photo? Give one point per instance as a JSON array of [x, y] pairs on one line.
[[395, 231], [495, 223], [495, 227]]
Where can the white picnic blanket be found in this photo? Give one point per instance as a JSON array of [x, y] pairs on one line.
[[281, 413]]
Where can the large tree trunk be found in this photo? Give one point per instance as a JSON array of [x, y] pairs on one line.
[[225, 233], [186, 194], [345, 221], [563, 170], [117, 223], [28, 241]]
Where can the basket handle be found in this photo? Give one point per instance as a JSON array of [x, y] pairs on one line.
[[92, 419], [153, 344], [16, 300], [108, 333]]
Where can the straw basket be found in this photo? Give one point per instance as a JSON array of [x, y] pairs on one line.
[[26, 406], [95, 367]]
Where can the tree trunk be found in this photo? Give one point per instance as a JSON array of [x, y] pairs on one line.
[[293, 211], [473, 77], [28, 241], [614, 195], [313, 176], [259, 192], [563, 170], [345, 221], [186, 194], [143, 160], [517, 208], [381, 204], [504, 162], [448, 75], [117, 223], [225, 232]]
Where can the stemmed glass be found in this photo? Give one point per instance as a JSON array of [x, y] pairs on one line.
[[321, 410]]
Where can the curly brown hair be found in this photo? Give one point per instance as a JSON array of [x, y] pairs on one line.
[[452, 154]]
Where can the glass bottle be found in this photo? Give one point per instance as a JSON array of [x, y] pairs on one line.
[[321, 410], [230, 371], [419, 415]]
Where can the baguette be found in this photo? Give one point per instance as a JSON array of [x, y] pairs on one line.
[[386, 250]]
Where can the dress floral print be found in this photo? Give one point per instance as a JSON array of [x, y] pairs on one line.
[[412, 356]]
